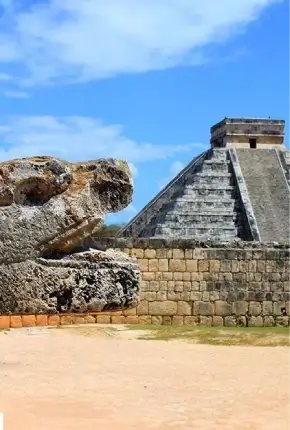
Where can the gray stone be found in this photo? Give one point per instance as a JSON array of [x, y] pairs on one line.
[[203, 308], [255, 308], [223, 308], [269, 321], [230, 321], [47, 208], [256, 321], [240, 308]]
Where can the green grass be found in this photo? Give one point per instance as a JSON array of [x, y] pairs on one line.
[[252, 336]]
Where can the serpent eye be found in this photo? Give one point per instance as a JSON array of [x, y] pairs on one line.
[[34, 192]]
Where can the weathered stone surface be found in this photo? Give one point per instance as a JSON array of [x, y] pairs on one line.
[[203, 308], [163, 308], [48, 207], [256, 321], [223, 308]]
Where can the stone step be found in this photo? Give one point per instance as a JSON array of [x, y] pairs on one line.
[[200, 192], [196, 232], [212, 178], [219, 154], [188, 219], [216, 166], [202, 205]]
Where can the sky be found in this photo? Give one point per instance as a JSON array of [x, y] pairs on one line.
[[141, 80]]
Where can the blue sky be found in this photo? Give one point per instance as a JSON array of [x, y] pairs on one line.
[[140, 80]]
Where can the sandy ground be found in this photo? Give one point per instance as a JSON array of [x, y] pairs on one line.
[[59, 380]]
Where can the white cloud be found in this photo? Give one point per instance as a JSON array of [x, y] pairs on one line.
[[174, 169], [68, 40], [77, 138], [16, 94]]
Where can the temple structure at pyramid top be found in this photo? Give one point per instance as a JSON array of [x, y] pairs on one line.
[[237, 189]]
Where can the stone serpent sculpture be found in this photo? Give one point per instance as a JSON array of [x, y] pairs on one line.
[[48, 207]]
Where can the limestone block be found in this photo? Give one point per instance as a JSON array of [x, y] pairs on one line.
[[132, 319], [167, 276], [89, 319], [103, 319], [188, 254], [269, 321], [196, 277], [138, 253], [4, 321], [177, 276], [178, 253], [240, 308], [78, 319], [145, 319], [205, 296], [15, 321], [153, 265], [203, 266], [255, 308], [191, 265], [213, 296], [184, 308], [195, 296], [163, 308], [161, 253], [193, 320], [214, 266], [177, 320], [41, 320], [154, 286], [235, 266], [256, 321], [163, 265], [54, 320], [217, 321], [28, 320], [163, 286], [267, 308], [226, 266], [66, 320], [186, 276], [230, 321], [130, 312], [178, 287], [150, 253], [166, 320], [156, 320], [177, 265], [148, 276], [203, 308], [223, 308], [118, 319], [143, 308], [205, 320], [144, 264], [161, 295]]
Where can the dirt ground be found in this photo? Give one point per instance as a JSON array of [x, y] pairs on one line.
[[60, 380]]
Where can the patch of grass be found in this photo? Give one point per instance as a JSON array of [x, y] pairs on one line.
[[252, 336]]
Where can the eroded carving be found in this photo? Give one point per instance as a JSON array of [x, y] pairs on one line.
[[47, 208]]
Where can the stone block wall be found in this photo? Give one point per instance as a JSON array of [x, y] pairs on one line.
[[188, 282], [183, 282]]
